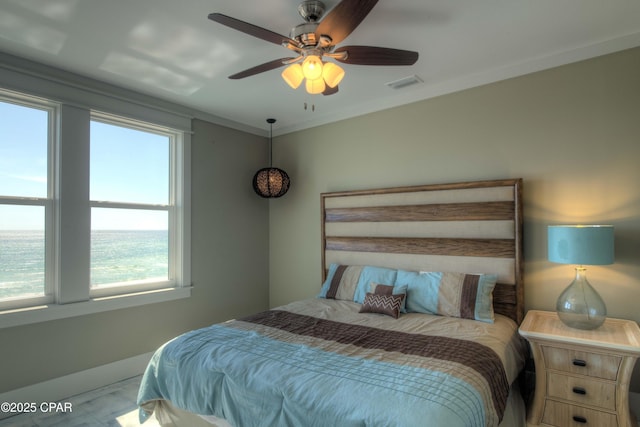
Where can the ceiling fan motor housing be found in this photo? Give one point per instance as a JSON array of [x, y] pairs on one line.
[[311, 10], [305, 33]]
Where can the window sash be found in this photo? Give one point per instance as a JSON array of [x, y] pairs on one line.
[[49, 264], [48, 297], [52, 109], [174, 260], [115, 288]]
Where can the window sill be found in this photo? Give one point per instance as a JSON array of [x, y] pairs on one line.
[[44, 313]]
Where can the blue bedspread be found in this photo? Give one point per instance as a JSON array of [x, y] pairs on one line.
[[291, 368]]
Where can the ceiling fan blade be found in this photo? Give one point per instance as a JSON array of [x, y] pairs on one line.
[[344, 18], [330, 90], [267, 66], [252, 30], [371, 55]]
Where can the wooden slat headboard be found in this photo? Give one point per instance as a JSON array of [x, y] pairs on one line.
[[470, 227]]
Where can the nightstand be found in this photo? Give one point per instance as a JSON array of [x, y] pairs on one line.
[[582, 377]]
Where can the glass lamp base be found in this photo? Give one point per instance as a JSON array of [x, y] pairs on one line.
[[579, 305]]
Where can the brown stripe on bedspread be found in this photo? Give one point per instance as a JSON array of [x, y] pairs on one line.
[[469, 353]]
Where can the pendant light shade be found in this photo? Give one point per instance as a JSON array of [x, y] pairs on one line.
[[271, 182]]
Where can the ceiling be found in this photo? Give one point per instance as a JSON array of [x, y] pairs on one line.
[[169, 49]]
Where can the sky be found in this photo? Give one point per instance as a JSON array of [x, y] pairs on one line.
[[127, 165]]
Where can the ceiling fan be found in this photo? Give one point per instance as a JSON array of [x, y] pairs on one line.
[[316, 39]]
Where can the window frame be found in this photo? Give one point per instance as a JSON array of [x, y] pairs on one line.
[[174, 261], [62, 297], [47, 202]]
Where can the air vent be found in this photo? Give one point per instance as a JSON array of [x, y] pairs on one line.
[[404, 82]]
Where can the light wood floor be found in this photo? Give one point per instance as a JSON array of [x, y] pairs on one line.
[[110, 406]]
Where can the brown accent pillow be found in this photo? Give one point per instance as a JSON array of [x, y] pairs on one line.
[[382, 304], [376, 288], [382, 289]]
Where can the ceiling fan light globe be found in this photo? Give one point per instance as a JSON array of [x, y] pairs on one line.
[[293, 75], [332, 74], [316, 86], [312, 67]]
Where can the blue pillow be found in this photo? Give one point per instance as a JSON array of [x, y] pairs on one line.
[[468, 296], [422, 290], [370, 274]]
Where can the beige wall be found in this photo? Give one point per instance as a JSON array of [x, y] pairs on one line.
[[230, 228], [572, 133]]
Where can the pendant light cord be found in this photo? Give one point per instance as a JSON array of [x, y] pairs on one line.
[[271, 122]]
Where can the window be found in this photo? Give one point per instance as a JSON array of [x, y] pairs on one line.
[[25, 200], [130, 191], [93, 207]]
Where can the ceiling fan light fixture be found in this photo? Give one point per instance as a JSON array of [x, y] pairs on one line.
[[332, 74], [315, 39], [316, 86], [312, 67], [293, 75]]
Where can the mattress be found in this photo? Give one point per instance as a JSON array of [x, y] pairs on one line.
[[321, 362]]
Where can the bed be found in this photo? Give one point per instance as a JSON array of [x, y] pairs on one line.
[[415, 323]]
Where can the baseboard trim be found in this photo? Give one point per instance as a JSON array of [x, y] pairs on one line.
[[64, 387]]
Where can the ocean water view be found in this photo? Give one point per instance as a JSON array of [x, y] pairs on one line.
[[116, 256]]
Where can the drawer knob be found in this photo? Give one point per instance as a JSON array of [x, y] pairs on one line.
[[579, 362], [579, 419], [579, 390]]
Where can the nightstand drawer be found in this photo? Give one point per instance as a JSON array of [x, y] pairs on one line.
[[582, 390], [582, 362], [564, 415]]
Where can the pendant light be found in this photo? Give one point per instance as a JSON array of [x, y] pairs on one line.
[[271, 182]]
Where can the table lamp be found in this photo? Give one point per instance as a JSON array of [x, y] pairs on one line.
[[579, 305]]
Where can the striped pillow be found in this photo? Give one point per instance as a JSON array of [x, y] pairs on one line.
[[468, 296], [342, 282], [351, 282]]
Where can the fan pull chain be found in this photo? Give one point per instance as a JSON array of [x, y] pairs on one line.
[[313, 107]]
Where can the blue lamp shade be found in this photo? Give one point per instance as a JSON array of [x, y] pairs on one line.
[[579, 305], [581, 244]]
